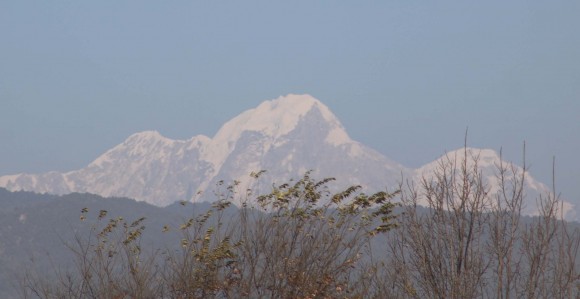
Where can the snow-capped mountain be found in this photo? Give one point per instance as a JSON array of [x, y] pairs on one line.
[[142, 167], [488, 162], [286, 136]]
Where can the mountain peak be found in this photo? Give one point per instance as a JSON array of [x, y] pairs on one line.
[[483, 154], [486, 159], [146, 135], [292, 102], [136, 144], [274, 119]]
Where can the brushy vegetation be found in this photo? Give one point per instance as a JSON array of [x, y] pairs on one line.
[[299, 241], [474, 243], [451, 237]]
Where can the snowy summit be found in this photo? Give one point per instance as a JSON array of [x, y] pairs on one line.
[[286, 136], [274, 119]]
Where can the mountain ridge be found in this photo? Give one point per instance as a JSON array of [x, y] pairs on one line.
[[287, 136]]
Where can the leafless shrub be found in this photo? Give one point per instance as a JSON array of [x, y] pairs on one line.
[[108, 264], [473, 243]]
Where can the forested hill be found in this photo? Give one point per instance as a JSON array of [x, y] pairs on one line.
[[35, 229]]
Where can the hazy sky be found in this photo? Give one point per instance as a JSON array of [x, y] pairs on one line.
[[405, 78]]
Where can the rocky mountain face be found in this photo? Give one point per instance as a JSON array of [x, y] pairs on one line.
[[286, 136]]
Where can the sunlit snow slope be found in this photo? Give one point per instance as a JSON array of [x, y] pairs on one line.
[[286, 136]]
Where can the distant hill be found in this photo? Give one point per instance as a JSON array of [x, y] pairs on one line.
[[36, 228]]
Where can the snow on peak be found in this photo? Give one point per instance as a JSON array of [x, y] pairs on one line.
[[486, 159], [136, 144], [274, 118], [484, 155], [489, 163], [146, 136], [154, 137]]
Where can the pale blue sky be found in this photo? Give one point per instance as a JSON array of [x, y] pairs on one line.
[[404, 77]]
